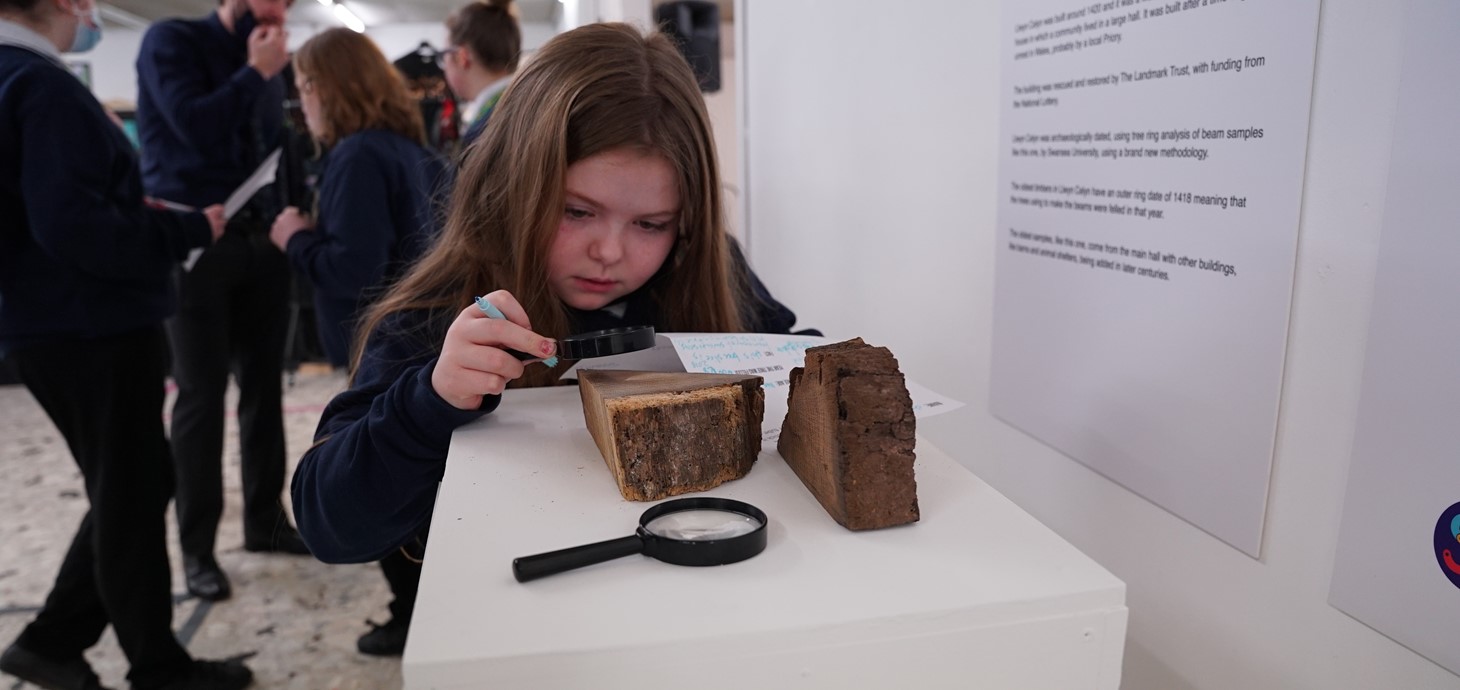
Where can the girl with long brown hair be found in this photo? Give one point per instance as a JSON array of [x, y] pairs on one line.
[[591, 201], [376, 188]]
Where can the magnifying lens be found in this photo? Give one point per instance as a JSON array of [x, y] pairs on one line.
[[685, 531], [610, 341]]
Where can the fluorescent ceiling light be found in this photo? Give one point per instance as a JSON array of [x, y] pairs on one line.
[[349, 19], [121, 17]]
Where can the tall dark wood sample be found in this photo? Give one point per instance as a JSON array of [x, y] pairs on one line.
[[849, 435], [664, 434]]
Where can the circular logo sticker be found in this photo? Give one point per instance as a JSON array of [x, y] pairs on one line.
[[1447, 543]]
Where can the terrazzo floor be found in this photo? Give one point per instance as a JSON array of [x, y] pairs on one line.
[[295, 618]]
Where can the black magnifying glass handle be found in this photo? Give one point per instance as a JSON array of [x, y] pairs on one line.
[[544, 564]]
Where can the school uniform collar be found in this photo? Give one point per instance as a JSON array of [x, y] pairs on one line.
[[21, 36], [617, 309], [474, 108]]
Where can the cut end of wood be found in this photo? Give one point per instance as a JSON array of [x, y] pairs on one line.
[[663, 434]]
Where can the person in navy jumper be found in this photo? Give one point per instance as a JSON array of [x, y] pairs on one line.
[[377, 184], [484, 44], [209, 110], [593, 202], [376, 215], [85, 282]]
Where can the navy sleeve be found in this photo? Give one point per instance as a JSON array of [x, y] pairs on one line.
[[201, 115], [71, 152], [369, 483], [354, 234], [766, 314]]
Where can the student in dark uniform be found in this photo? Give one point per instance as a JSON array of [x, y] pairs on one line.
[[377, 183], [376, 215], [593, 202], [85, 269], [209, 110], [485, 43]]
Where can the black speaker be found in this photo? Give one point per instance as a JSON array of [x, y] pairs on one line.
[[695, 27]]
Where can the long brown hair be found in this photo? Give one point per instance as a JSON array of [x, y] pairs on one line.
[[488, 29], [358, 87], [591, 90]]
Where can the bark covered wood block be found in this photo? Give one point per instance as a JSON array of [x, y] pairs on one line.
[[849, 435], [665, 434]]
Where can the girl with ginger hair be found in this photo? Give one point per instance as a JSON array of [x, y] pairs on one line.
[[377, 183]]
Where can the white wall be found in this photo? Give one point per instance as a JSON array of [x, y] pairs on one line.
[[114, 66], [722, 106], [872, 135]]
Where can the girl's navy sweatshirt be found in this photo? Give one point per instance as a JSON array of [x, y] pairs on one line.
[[369, 483]]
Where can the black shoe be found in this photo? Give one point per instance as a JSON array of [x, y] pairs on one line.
[[384, 640], [211, 675], [284, 539], [35, 669], [205, 579]]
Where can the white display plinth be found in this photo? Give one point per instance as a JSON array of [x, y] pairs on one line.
[[977, 594]]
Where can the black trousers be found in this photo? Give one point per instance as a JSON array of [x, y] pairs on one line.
[[402, 569], [403, 574], [233, 318], [106, 397]]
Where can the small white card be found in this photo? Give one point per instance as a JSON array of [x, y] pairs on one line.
[[262, 176], [761, 354]]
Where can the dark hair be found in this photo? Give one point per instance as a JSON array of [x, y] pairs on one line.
[[20, 6], [597, 88], [489, 30]]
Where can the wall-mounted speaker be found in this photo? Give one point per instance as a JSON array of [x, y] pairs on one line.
[[695, 27]]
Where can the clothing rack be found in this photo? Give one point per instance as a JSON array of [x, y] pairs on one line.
[[427, 82]]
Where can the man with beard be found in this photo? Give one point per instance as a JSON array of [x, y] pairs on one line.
[[209, 111]]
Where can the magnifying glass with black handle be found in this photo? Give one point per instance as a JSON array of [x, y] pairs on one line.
[[609, 341], [697, 531]]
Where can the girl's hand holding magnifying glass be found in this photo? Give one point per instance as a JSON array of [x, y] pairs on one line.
[[474, 360]]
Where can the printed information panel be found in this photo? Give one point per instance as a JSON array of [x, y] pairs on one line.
[[1150, 178]]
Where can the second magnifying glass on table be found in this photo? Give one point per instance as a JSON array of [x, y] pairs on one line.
[[685, 531]]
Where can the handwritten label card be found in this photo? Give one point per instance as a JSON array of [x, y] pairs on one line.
[[772, 357]]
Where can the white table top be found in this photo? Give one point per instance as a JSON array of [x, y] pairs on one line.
[[528, 479]]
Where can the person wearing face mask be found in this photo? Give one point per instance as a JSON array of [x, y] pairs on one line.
[[209, 110], [84, 287]]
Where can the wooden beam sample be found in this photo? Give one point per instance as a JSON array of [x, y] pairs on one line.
[[849, 435], [665, 434]]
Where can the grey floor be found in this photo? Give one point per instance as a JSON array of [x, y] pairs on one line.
[[296, 617]]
